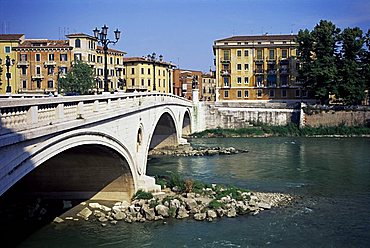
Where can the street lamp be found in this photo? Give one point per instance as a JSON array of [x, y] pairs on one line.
[[101, 36], [8, 63], [152, 58], [60, 70]]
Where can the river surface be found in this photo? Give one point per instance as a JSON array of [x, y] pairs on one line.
[[331, 176]]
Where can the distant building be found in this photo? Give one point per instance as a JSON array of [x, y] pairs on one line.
[[7, 44], [209, 86], [185, 81], [38, 63], [260, 67], [142, 74]]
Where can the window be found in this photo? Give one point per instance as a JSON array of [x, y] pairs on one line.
[[111, 60], [297, 93], [239, 80], [38, 57], [50, 70], [246, 94], [132, 70], [272, 54], [63, 70], [246, 53], [63, 57], [226, 82], [164, 82], [246, 67], [117, 61], [38, 70], [226, 54], [259, 54], [284, 53], [272, 93], [77, 56], [7, 49], [142, 70], [283, 93], [148, 82], [246, 80], [226, 94], [142, 82], [239, 53], [259, 93], [77, 43], [149, 71], [24, 84], [133, 81], [124, 71], [239, 94], [159, 82], [24, 70], [239, 67], [50, 84], [51, 56], [23, 57], [304, 93]]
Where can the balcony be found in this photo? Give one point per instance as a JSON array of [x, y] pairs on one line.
[[271, 72], [260, 85], [119, 67], [259, 71], [271, 61], [50, 63], [225, 60], [271, 85], [37, 76], [225, 73], [258, 60], [23, 63]]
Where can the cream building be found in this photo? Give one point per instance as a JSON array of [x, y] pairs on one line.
[[257, 68]]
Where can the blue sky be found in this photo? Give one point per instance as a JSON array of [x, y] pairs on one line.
[[182, 30]]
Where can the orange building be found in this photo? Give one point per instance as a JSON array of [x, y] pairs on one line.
[[185, 80], [40, 62]]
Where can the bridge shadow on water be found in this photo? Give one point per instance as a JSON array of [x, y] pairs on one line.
[[57, 187]]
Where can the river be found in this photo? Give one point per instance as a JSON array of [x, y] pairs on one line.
[[330, 176]]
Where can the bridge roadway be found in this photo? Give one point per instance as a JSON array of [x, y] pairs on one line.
[[87, 147]]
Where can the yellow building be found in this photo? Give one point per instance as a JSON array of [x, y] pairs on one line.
[[257, 68], [7, 43], [142, 74], [209, 86]]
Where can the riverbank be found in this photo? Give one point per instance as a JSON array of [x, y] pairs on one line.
[[290, 130], [181, 199]]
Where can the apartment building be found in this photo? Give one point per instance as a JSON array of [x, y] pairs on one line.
[[143, 74], [40, 62], [261, 67], [209, 86], [7, 44], [185, 81]]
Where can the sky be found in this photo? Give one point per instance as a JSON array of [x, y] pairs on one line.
[[183, 31]]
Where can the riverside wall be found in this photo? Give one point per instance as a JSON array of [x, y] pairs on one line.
[[244, 114]]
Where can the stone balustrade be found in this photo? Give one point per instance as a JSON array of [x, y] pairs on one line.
[[18, 114]]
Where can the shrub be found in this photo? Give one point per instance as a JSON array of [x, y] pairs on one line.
[[215, 204], [142, 195]]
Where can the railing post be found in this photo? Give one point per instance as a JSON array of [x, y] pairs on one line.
[[80, 110], [32, 115], [96, 106], [59, 111]]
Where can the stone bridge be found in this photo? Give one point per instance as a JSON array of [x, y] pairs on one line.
[[83, 147]]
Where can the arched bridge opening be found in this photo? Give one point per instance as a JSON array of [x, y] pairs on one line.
[[186, 125], [165, 134]]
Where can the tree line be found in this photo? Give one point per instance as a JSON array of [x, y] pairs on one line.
[[334, 62]]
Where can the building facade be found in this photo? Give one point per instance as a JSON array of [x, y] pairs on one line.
[[40, 63], [185, 81], [7, 44], [142, 74], [209, 86], [257, 68]]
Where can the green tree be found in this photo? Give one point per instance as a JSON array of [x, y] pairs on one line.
[[80, 79], [366, 61], [351, 82], [317, 53]]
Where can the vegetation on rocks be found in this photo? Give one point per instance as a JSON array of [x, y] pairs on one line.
[[289, 130]]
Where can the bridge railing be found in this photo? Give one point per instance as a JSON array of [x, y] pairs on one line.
[[19, 114]]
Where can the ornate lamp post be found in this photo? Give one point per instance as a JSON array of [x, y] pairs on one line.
[[153, 59], [8, 63], [101, 36]]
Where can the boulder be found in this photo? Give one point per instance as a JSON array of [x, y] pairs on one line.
[[162, 210], [85, 213]]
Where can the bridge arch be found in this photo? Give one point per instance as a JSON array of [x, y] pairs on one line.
[[186, 123], [83, 165]]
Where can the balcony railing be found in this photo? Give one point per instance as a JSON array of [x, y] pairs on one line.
[[225, 73], [37, 76], [258, 60], [50, 63], [259, 71], [23, 63], [225, 60]]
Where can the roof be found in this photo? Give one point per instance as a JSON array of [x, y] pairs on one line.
[[11, 36], [100, 48], [144, 60], [266, 37], [44, 43], [80, 35]]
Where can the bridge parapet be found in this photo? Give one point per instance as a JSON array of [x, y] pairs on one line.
[[20, 114]]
